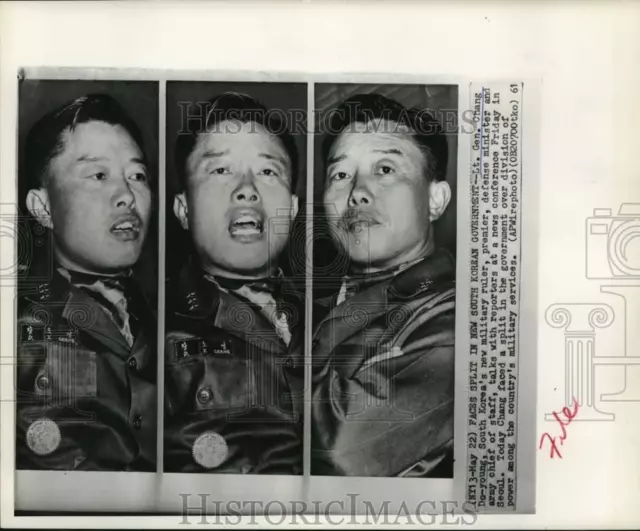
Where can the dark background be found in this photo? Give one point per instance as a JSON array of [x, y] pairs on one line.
[[283, 96], [329, 265], [140, 101]]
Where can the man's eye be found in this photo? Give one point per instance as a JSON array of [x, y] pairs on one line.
[[340, 176], [385, 170], [269, 172], [219, 171], [139, 176], [99, 176]]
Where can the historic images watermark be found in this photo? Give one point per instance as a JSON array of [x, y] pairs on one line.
[[612, 259], [194, 115], [201, 509]]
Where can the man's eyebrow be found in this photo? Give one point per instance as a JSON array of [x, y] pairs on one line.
[[87, 158], [337, 158], [277, 158], [214, 154], [388, 151]]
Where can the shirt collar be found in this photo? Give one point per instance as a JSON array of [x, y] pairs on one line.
[[404, 281], [199, 292], [271, 284]]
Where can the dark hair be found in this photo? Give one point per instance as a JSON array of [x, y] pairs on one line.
[[239, 107], [426, 132], [44, 141]]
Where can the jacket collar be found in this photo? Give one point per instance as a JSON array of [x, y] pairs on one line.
[[434, 269], [202, 301], [435, 273], [82, 312], [432, 273]]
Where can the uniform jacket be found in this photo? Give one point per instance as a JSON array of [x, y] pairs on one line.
[[384, 376], [86, 400], [233, 387]]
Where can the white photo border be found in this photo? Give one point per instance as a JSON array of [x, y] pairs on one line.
[[157, 492]]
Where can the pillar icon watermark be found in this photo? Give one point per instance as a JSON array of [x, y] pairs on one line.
[[612, 256]]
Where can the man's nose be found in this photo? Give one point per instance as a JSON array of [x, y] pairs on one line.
[[360, 193], [123, 196], [246, 191]]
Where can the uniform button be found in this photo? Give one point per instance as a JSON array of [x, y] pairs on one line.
[[133, 364], [137, 423], [204, 395], [42, 382], [315, 343]]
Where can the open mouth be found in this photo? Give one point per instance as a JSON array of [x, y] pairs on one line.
[[246, 224], [361, 225], [127, 228], [358, 223]]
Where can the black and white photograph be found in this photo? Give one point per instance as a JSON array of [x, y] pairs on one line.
[[319, 264], [205, 289], [384, 280], [86, 323], [234, 349]]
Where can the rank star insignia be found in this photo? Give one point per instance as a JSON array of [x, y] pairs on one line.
[[210, 450], [426, 284], [43, 437]]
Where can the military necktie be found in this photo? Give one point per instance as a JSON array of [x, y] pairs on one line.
[[114, 294], [269, 285], [264, 293]]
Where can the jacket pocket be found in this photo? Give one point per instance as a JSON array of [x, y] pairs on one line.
[[58, 370], [209, 377], [72, 371]]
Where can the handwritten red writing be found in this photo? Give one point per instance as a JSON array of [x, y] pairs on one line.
[[569, 415]]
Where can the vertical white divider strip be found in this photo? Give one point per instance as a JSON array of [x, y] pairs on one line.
[[308, 282], [162, 141]]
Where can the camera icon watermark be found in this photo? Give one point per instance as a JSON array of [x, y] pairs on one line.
[[32, 257], [613, 243], [318, 242]]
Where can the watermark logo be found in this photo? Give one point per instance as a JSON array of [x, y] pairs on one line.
[[201, 509], [28, 244], [612, 257]]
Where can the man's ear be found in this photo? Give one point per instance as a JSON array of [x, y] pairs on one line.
[[439, 197], [39, 206], [294, 206], [180, 210]]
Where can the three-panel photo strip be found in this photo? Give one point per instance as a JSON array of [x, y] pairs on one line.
[[236, 278]]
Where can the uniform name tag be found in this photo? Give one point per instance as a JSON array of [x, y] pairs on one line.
[[33, 333], [222, 348], [200, 347]]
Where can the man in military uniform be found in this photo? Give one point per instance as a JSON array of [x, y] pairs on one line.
[[233, 347], [383, 345], [86, 375]]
